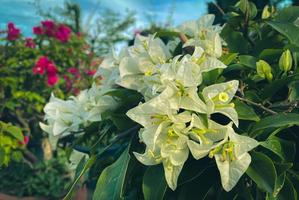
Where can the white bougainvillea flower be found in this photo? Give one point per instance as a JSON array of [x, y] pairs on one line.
[[172, 173], [62, 116], [232, 158], [138, 74], [205, 135], [140, 70], [94, 102], [152, 112], [179, 96], [170, 148], [108, 70], [203, 60], [218, 98], [185, 73], [204, 34]]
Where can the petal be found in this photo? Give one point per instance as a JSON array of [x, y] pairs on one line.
[[172, 173], [231, 172]]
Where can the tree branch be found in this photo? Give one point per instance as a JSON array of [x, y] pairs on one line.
[[257, 105]]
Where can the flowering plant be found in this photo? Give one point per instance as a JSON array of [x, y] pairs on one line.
[[199, 112]]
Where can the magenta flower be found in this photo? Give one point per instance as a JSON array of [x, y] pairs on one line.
[[49, 27], [52, 79], [40, 65], [29, 43], [90, 72], [37, 30], [63, 33], [74, 71], [68, 82], [13, 33]]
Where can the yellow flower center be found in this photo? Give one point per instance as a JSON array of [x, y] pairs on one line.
[[223, 97]]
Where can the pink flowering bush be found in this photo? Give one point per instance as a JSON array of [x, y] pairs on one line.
[[55, 59]]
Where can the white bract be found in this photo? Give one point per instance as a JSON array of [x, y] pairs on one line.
[[64, 117], [177, 108], [140, 69], [204, 34]]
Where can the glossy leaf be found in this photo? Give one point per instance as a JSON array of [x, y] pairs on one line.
[[110, 184], [262, 172], [275, 121], [283, 148], [245, 112], [154, 185]]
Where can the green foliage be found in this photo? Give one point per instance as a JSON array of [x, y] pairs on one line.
[[11, 143], [48, 179]]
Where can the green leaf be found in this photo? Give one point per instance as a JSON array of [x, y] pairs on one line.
[[244, 111], [284, 149], [284, 23], [294, 91], [200, 186], [16, 132], [248, 61], [272, 88], [262, 172], [110, 184], [228, 58], [2, 156], [270, 54], [154, 185], [87, 165], [276, 121], [234, 39], [288, 192]]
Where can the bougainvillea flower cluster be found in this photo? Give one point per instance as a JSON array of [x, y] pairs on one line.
[[45, 65], [13, 33], [30, 43], [177, 107], [59, 31]]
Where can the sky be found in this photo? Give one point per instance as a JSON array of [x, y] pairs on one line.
[[23, 13]]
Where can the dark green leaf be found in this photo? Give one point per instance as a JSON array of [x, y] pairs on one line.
[[276, 121], [244, 111], [154, 184], [87, 165], [284, 23], [283, 148], [248, 61], [110, 184], [262, 172], [288, 192]]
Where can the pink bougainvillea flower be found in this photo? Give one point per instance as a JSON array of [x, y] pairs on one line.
[[74, 71], [68, 82], [37, 30], [51, 69], [40, 65], [38, 70], [49, 27], [29, 43], [90, 72], [25, 140], [13, 33], [52, 79], [63, 33]]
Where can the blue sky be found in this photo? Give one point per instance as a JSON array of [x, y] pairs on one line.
[[23, 14]]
